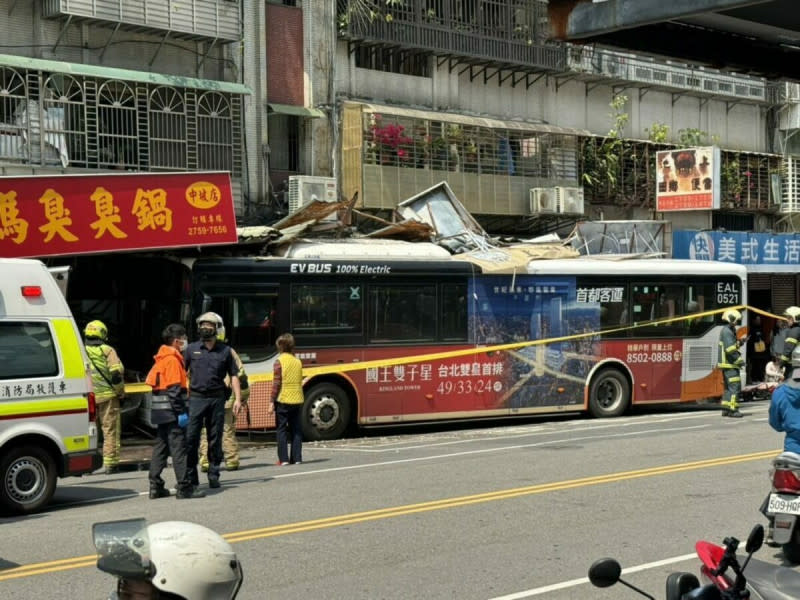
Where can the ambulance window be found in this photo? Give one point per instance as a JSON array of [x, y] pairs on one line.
[[26, 351]]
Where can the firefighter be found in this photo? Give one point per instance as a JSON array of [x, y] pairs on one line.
[[791, 336], [730, 363], [109, 389], [230, 446]]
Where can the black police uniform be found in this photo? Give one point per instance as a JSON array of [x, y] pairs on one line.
[[207, 369]]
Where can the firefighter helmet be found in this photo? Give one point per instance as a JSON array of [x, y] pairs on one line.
[[96, 329], [212, 317], [732, 316], [793, 312]]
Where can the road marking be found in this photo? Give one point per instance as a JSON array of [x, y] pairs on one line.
[[409, 509], [583, 580]]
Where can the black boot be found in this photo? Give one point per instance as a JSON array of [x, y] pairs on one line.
[[158, 492], [735, 414], [192, 492], [726, 412]]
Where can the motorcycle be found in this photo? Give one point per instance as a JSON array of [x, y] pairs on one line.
[[721, 571], [783, 504]]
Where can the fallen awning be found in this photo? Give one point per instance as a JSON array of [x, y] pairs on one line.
[[295, 111], [462, 119]]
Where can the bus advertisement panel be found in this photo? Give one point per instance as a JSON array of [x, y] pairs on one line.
[[623, 333]]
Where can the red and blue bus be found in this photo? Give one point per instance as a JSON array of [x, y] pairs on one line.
[[624, 332]]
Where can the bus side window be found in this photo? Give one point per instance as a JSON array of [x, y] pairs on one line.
[[454, 312], [400, 313]]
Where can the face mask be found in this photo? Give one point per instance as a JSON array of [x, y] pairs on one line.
[[183, 344], [206, 333]]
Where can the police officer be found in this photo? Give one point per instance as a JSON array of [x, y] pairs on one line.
[[792, 335], [730, 362], [230, 445], [169, 413], [208, 362], [109, 389]]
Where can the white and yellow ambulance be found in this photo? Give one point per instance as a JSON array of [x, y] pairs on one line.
[[47, 407]]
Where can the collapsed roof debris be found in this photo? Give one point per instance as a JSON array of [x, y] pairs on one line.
[[431, 218]]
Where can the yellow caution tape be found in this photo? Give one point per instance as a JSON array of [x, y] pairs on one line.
[[134, 388]]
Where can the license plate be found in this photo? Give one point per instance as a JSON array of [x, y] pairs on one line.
[[784, 503]]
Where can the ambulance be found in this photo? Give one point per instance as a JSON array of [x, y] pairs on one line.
[[47, 407]]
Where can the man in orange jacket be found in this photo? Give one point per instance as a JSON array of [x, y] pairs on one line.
[[169, 413]]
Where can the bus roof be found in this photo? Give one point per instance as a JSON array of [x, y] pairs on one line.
[[366, 250], [587, 265]]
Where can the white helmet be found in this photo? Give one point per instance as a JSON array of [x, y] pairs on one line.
[[793, 312], [212, 317], [184, 559], [732, 316]]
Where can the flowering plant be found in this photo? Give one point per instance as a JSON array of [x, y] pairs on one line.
[[388, 143]]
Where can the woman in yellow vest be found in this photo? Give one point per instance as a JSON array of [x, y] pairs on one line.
[[287, 401]]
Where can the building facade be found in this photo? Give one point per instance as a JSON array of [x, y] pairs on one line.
[[138, 86]]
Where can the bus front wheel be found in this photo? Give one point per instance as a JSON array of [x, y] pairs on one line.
[[29, 479], [609, 394], [326, 412]]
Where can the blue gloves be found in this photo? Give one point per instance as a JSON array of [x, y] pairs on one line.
[[183, 420]]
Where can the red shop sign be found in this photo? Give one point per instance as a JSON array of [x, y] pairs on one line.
[[84, 214]]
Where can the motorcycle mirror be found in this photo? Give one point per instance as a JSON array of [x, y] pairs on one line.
[[755, 539], [604, 572]]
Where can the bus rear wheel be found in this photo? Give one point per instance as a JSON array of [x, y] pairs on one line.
[[609, 394], [326, 412], [29, 479]]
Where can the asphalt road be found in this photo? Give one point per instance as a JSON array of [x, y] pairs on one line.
[[505, 512]]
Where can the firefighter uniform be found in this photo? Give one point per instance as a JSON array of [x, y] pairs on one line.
[[790, 339], [230, 447], [730, 363], [109, 389]]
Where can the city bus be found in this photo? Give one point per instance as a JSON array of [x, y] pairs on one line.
[[620, 339]]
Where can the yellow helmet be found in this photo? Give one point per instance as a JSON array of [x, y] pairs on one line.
[[732, 316], [96, 329], [793, 312]]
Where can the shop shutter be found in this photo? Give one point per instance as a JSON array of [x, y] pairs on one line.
[[759, 281], [784, 292]]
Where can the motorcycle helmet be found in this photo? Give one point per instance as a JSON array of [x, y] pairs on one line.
[[212, 317], [96, 329], [183, 559], [793, 312], [732, 316]]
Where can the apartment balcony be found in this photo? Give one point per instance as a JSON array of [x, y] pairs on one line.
[[490, 33], [597, 65], [58, 117], [201, 20]]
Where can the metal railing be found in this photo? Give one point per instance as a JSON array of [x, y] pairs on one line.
[[55, 119]]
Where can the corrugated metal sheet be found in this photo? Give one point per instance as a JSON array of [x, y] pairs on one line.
[[784, 292]]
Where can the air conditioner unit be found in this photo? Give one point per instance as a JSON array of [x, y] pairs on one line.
[[304, 189], [570, 200], [543, 201]]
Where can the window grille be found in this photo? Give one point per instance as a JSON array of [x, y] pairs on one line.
[[214, 132], [118, 140], [13, 128], [65, 118], [439, 145], [167, 113]]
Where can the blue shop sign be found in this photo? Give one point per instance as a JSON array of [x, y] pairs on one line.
[[759, 252]]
